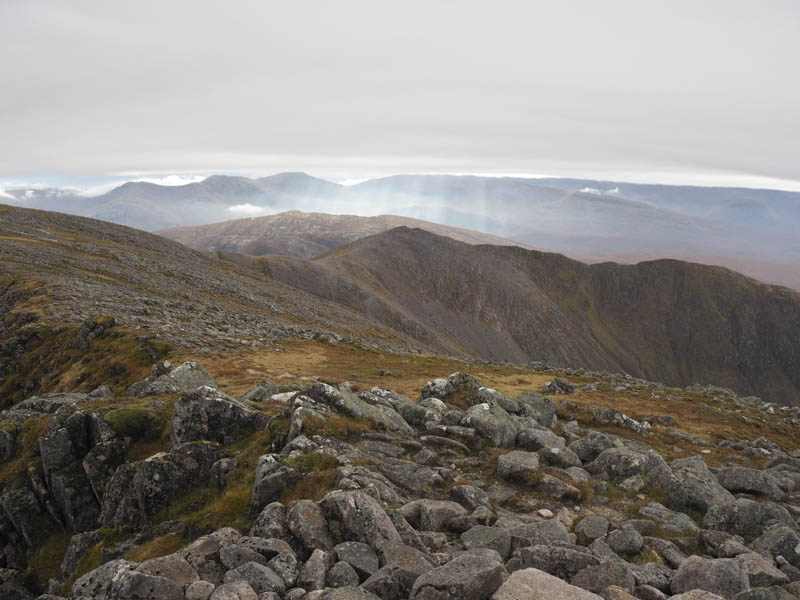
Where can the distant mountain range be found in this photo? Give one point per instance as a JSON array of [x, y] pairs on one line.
[[749, 230], [667, 320]]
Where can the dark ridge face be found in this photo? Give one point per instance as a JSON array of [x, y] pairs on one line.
[[667, 320]]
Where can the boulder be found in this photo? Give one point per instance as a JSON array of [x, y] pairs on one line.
[[540, 408], [722, 576], [272, 477], [437, 388], [208, 414], [342, 575], [261, 392], [135, 585], [411, 561], [350, 404], [750, 481], [533, 584], [390, 583], [307, 523], [760, 571], [165, 380], [626, 541], [597, 578], [97, 583], [563, 561], [589, 447], [721, 544], [361, 518], [470, 497], [173, 567], [558, 386], [271, 522], [78, 545], [358, 555], [409, 475], [699, 487], [669, 520], [493, 423], [314, 573], [237, 590], [591, 528], [465, 577], [517, 464], [653, 575], [202, 590], [536, 439], [543, 532], [617, 463], [260, 577], [779, 540], [481, 536]]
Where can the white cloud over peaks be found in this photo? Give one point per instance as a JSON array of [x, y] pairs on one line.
[[590, 190], [248, 209], [170, 180], [6, 195]]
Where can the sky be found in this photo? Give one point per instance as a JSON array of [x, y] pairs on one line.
[[674, 91]]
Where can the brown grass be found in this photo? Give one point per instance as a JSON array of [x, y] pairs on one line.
[[159, 546]]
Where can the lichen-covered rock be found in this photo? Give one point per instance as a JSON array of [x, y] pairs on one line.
[[307, 523], [361, 518], [517, 464], [271, 522], [617, 463], [350, 404], [260, 577], [597, 578], [492, 422], [750, 481], [669, 520], [138, 490], [313, 574], [208, 414], [465, 577], [701, 489], [563, 561], [536, 439], [760, 571], [558, 386], [261, 392], [390, 582], [495, 538], [722, 576], [625, 541], [541, 533], [358, 555], [342, 575], [135, 585], [779, 540], [173, 567], [272, 477], [164, 379], [534, 584], [589, 447], [97, 583], [410, 475], [591, 528]]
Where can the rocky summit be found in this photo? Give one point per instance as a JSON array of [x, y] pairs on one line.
[[200, 482]]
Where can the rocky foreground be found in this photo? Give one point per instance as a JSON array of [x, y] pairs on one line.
[[185, 493]]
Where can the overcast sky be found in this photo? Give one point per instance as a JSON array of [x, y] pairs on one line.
[[678, 91]]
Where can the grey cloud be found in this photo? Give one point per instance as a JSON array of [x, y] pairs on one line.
[[361, 85]]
